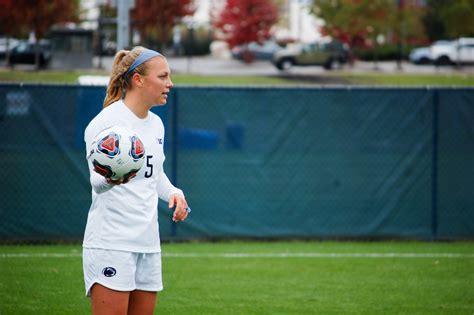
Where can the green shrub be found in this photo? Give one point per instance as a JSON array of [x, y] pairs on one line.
[[386, 52]]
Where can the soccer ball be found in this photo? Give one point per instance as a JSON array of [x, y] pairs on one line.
[[117, 152]]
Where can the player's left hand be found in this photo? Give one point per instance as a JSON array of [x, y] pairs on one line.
[[180, 206]]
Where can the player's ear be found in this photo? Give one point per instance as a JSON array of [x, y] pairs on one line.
[[137, 79]]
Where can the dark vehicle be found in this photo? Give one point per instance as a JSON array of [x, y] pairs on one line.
[[12, 42], [264, 51], [24, 53], [326, 54]]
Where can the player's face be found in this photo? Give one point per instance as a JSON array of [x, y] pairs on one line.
[[157, 82]]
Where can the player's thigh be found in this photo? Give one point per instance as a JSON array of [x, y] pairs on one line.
[[141, 302], [106, 301]]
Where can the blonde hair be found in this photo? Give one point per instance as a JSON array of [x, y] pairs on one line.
[[120, 81]]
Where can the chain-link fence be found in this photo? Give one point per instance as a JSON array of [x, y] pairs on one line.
[[257, 162]]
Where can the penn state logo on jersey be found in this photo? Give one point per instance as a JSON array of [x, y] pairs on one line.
[[109, 272]]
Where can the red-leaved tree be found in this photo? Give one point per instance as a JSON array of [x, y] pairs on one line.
[[10, 23], [245, 21], [157, 17], [40, 15]]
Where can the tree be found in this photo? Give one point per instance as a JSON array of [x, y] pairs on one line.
[[40, 15], [245, 21], [449, 19], [158, 17], [11, 24], [360, 22], [357, 23]]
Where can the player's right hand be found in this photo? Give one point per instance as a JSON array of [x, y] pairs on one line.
[[115, 181], [120, 180], [129, 177]]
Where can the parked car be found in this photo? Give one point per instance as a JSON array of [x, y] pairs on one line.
[[420, 56], [459, 51], [326, 54], [24, 53], [12, 42], [263, 51]]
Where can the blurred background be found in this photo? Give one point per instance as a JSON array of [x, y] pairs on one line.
[[290, 121], [81, 34], [289, 118]]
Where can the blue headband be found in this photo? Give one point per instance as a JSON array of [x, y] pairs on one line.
[[144, 56]]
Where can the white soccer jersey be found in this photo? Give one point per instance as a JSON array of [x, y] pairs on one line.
[[125, 217]]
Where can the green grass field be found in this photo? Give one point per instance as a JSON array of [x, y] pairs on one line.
[[454, 79], [261, 278], [435, 79], [70, 77]]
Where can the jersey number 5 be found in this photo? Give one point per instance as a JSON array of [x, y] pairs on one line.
[[149, 172]]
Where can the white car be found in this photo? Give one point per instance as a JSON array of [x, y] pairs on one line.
[[420, 56], [459, 51]]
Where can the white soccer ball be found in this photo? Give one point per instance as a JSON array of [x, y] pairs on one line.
[[117, 152]]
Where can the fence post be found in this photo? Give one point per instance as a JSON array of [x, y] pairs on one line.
[[434, 165], [174, 151]]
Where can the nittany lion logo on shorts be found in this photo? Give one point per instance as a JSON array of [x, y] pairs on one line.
[[109, 271]]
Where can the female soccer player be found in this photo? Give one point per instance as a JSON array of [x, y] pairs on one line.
[[121, 249]]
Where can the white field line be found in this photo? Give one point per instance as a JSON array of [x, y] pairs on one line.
[[261, 255], [321, 255]]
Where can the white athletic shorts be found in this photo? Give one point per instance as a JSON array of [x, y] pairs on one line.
[[121, 270]]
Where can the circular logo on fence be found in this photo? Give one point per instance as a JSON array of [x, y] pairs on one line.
[[109, 271]]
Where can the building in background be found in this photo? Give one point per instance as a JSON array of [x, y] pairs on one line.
[[72, 48]]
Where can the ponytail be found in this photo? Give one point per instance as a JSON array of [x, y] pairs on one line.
[[119, 81]]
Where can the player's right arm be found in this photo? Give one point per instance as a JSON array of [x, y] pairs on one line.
[[99, 183]]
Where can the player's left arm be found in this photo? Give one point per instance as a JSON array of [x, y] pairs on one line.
[[181, 209], [174, 196]]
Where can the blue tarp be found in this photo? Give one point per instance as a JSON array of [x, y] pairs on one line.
[[257, 162]]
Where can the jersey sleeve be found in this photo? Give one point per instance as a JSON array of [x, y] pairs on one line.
[[98, 182], [165, 188]]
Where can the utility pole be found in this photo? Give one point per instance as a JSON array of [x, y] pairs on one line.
[[400, 21], [123, 23]]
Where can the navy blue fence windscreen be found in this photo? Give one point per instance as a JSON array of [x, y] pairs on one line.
[[257, 162]]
